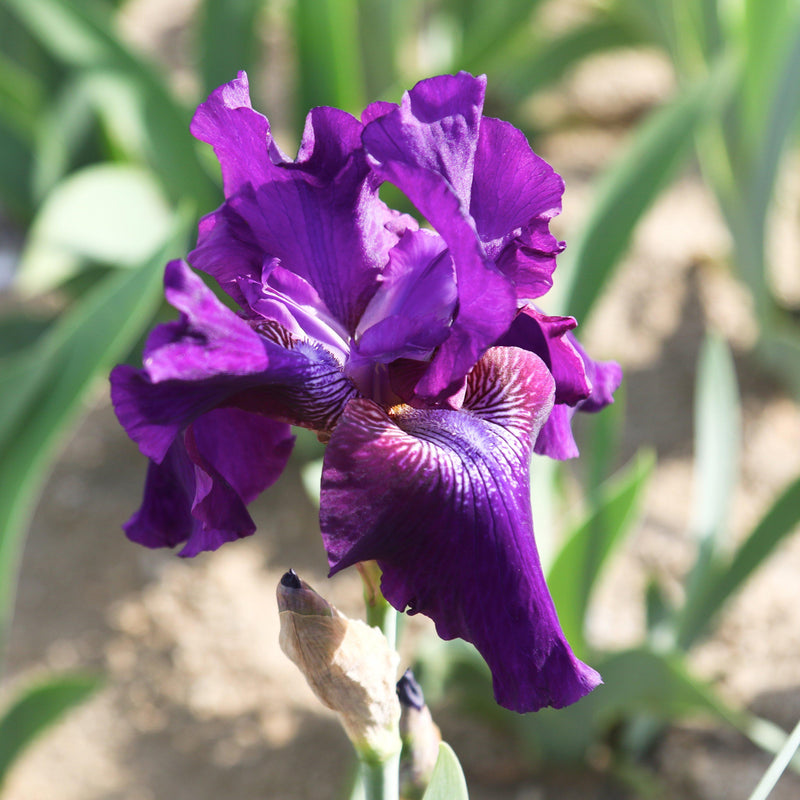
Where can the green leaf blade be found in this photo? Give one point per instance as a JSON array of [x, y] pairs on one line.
[[35, 710], [632, 183], [447, 780], [577, 566], [59, 371]]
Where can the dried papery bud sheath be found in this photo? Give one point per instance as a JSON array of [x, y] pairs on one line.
[[420, 736], [348, 665]]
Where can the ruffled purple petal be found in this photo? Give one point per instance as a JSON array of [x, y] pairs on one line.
[[555, 439], [440, 498], [209, 339], [426, 147], [412, 311], [514, 194], [241, 137], [604, 376], [320, 215], [210, 358], [291, 302], [198, 493], [551, 340]]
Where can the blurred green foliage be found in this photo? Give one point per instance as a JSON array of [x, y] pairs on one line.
[[98, 167]]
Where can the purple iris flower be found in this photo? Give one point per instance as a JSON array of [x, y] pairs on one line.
[[415, 352]]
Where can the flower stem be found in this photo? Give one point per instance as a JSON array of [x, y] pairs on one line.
[[380, 780], [379, 613]]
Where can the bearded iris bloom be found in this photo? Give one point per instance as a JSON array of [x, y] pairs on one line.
[[417, 353]]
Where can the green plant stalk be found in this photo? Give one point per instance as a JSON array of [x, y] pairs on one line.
[[380, 780], [778, 765]]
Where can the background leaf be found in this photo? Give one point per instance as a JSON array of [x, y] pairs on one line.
[[227, 39], [52, 377], [586, 549], [113, 214], [447, 781], [630, 186], [330, 70], [717, 429], [80, 35], [725, 580], [35, 710]]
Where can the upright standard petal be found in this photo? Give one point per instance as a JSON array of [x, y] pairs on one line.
[[426, 147], [514, 194], [440, 499], [320, 215]]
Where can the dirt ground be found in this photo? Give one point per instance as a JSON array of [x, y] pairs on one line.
[[199, 702]]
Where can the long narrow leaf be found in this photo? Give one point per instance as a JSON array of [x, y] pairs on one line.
[[518, 75], [777, 126], [780, 521], [81, 36], [717, 431], [577, 566], [631, 185], [490, 26], [381, 24], [330, 71], [228, 39], [35, 710], [61, 369], [777, 767]]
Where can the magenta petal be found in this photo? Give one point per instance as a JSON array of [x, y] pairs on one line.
[[198, 493], [441, 499]]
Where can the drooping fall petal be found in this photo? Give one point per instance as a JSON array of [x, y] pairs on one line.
[[440, 499]]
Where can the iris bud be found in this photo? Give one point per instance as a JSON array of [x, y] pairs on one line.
[[420, 736], [348, 665]]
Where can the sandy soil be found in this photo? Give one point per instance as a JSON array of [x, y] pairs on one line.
[[199, 701]]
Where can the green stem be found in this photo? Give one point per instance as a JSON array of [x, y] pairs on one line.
[[381, 781]]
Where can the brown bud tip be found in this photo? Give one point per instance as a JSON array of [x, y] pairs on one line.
[[410, 692]]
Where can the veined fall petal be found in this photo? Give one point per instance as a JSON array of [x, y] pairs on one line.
[[440, 499]]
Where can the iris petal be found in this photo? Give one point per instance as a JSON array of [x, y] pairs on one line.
[[440, 499], [513, 196], [198, 493], [319, 215], [212, 358], [426, 147]]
